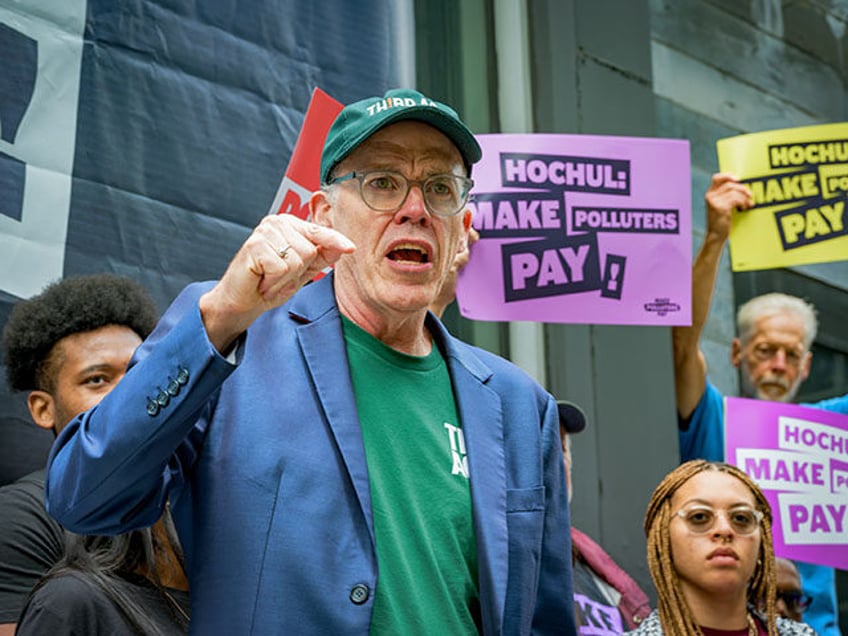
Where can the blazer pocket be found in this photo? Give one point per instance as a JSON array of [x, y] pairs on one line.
[[525, 519], [525, 499]]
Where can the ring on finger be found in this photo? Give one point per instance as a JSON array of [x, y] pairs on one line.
[[282, 252]]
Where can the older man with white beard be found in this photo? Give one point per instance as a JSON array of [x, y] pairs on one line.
[[772, 353]]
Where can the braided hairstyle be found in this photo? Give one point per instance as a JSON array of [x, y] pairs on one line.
[[675, 614]]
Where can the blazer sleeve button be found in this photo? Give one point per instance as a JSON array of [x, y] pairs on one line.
[[359, 593], [173, 388], [163, 399], [152, 407], [182, 376]]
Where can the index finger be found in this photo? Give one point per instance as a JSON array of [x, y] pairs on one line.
[[328, 239]]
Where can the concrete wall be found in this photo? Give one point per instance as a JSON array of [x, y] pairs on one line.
[[694, 69], [699, 70], [726, 67], [586, 68]]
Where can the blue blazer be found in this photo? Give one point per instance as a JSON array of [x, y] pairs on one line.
[[264, 466]]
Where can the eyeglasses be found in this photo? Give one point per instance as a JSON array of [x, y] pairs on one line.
[[701, 519], [385, 191], [765, 351], [795, 600]]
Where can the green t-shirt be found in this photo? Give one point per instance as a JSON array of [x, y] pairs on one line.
[[418, 471]]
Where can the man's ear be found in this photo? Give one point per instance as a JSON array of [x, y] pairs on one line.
[[736, 352], [42, 408], [465, 241], [320, 209]]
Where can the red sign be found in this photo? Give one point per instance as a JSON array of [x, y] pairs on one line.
[[302, 176]]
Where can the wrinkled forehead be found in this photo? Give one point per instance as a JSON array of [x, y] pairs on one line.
[[787, 328], [407, 143]]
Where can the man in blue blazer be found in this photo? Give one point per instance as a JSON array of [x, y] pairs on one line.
[[336, 462]]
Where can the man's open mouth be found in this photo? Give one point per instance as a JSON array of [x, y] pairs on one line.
[[409, 254]]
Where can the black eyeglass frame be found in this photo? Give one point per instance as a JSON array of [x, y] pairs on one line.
[[466, 182]]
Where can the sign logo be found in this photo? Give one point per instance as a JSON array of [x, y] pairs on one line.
[[662, 306]]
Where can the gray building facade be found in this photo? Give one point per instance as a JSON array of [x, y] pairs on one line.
[[690, 69]]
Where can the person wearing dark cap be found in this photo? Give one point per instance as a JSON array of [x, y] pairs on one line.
[[336, 462], [607, 601]]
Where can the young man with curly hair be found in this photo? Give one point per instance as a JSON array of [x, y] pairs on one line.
[[67, 347]]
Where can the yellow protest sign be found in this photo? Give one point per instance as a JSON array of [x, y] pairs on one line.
[[799, 180]]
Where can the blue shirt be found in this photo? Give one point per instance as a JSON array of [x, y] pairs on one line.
[[703, 438]]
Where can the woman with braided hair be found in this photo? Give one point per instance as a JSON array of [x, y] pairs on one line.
[[711, 556]]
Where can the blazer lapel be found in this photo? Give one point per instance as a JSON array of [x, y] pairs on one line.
[[479, 407], [482, 423], [322, 343]]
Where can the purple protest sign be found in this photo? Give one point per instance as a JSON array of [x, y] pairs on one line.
[[799, 457], [580, 229]]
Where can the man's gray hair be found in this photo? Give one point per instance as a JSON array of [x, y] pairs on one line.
[[332, 192], [773, 304]]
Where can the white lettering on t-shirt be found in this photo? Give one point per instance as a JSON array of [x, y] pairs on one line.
[[457, 446]]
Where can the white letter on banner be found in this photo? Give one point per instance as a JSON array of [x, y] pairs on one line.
[[33, 235], [813, 519], [785, 470], [813, 437]]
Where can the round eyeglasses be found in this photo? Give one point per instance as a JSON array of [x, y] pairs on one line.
[[386, 191], [701, 519]]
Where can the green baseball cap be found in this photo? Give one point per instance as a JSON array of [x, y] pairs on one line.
[[360, 120]]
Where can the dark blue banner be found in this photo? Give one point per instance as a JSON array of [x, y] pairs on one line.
[[147, 138]]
